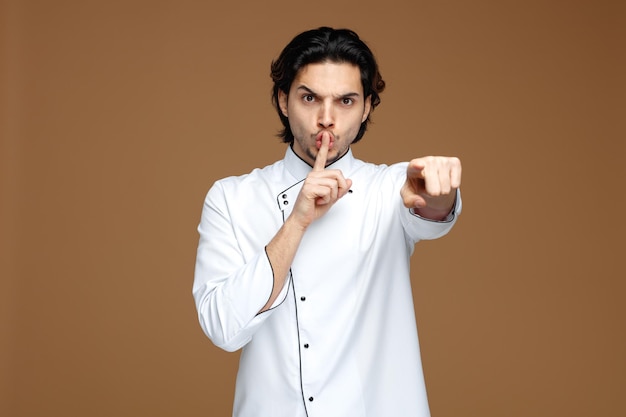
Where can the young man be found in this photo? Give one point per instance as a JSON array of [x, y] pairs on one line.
[[305, 263]]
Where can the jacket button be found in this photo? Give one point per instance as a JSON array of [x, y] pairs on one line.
[[303, 298], [310, 398], [306, 345]]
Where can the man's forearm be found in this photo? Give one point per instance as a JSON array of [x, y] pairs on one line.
[[439, 212], [281, 251]]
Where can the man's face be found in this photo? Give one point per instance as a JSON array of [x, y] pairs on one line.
[[326, 96]]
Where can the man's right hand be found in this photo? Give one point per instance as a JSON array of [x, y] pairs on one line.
[[321, 189]]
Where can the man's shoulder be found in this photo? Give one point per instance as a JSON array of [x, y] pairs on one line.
[[370, 168], [256, 175]]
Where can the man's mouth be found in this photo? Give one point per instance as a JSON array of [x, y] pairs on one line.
[[318, 139]]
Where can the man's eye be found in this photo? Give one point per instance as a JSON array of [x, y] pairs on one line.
[[308, 98], [347, 101]]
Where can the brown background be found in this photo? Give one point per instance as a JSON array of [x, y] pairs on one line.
[[117, 116]]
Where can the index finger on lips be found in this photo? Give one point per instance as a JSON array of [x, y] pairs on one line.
[[322, 154]]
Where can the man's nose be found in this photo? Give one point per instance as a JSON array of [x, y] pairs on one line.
[[326, 116]]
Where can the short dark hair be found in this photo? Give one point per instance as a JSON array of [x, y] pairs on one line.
[[322, 45]]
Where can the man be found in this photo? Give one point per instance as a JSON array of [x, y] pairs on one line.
[[305, 263]]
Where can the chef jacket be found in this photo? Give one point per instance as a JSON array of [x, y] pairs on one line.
[[341, 338]]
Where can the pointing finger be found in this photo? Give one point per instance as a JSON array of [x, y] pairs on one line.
[[415, 170]]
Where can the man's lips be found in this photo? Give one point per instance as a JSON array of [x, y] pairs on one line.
[[318, 139]]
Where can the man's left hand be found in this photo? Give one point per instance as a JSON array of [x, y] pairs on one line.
[[431, 184]]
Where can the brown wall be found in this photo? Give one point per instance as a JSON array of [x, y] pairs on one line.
[[117, 116]]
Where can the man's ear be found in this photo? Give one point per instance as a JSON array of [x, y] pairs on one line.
[[282, 102], [367, 108]]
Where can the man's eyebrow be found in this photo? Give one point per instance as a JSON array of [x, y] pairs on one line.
[[351, 94], [306, 89]]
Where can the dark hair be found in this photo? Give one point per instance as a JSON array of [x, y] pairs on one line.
[[320, 45]]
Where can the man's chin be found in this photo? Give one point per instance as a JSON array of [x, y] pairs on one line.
[[332, 156]]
